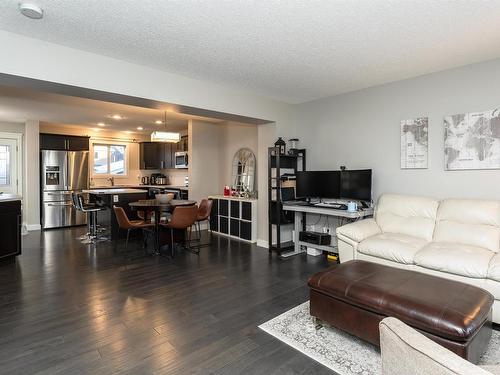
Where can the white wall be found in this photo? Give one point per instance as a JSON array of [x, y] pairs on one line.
[[266, 138], [205, 157], [361, 130], [30, 170], [235, 137]]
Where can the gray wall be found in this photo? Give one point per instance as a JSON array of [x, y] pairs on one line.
[[361, 130]]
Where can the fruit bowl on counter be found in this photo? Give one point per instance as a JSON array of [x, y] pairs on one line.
[[164, 197]]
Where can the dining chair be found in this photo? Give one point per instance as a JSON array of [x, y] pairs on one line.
[[126, 224], [204, 210], [183, 218]]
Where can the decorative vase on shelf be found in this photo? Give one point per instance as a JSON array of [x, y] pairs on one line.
[[293, 146], [281, 144]]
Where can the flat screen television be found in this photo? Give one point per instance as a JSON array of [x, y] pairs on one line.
[[318, 184], [356, 184]]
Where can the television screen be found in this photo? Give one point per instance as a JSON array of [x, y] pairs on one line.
[[356, 184], [318, 184]]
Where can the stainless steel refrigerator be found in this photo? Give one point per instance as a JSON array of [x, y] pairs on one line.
[[63, 172]]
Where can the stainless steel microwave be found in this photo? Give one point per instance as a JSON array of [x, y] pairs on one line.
[[181, 159]]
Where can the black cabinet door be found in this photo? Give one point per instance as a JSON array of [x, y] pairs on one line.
[[168, 160], [10, 228], [150, 155], [223, 225], [224, 207], [235, 227], [53, 142], [246, 230], [77, 143], [235, 209], [246, 210], [214, 222]]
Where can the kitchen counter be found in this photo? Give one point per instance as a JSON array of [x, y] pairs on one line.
[[113, 191], [229, 197], [138, 186], [8, 197]]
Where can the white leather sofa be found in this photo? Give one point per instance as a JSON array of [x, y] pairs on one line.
[[457, 239]]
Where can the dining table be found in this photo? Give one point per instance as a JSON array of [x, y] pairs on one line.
[[156, 206]]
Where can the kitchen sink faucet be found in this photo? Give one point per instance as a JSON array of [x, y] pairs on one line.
[[112, 180]]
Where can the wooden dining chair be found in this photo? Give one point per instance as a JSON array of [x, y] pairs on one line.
[[126, 224], [182, 218], [204, 210]]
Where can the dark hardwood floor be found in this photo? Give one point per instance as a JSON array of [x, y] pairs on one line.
[[68, 308]]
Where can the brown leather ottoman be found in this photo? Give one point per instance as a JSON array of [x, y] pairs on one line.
[[355, 296]]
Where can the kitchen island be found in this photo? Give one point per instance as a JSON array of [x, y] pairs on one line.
[[10, 226], [107, 198]]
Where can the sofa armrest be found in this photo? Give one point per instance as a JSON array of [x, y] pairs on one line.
[[359, 230], [406, 351]]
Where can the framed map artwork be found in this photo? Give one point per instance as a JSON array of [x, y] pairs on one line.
[[472, 141]]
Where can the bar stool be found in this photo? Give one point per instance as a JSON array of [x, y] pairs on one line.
[[91, 210]]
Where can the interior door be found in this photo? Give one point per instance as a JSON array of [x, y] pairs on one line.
[[78, 170], [9, 159]]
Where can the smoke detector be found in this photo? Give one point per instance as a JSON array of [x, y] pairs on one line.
[[31, 10]]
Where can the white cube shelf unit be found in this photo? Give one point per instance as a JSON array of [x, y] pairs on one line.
[[234, 217]]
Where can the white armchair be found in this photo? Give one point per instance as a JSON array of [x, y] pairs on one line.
[[406, 351]]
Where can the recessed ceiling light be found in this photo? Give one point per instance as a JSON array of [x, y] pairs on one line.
[[140, 128], [158, 122], [96, 129], [116, 117], [101, 124], [31, 11], [127, 132]]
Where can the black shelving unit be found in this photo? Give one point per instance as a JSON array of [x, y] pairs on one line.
[[276, 216]]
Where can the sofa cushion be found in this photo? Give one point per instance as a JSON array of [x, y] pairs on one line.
[[455, 258], [395, 247], [405, 214], [470, 222], [494, 268]]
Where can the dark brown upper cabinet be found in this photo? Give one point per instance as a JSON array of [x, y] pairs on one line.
[[63, 142]]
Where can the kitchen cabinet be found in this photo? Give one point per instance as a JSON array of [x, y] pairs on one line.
[[10, 228], [158, 155], [234, 217], [63, 142], [183, 144], [150, 155]]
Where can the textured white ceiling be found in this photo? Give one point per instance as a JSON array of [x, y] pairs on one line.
[[294, 50]]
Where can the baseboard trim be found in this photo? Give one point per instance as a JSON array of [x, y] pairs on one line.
[[31, 227], [263, 243]]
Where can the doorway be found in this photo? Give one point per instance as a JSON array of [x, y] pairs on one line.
[[10, 163]]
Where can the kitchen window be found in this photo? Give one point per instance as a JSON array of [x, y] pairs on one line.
[[109, 159]]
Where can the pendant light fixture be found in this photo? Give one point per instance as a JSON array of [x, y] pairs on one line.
[[165, 136]]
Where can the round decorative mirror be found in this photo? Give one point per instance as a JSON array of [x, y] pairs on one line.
[[243, 173]]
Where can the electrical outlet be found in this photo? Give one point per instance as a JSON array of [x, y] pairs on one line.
[[326, 230]]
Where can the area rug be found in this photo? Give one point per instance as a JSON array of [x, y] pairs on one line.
[[337, 350]]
